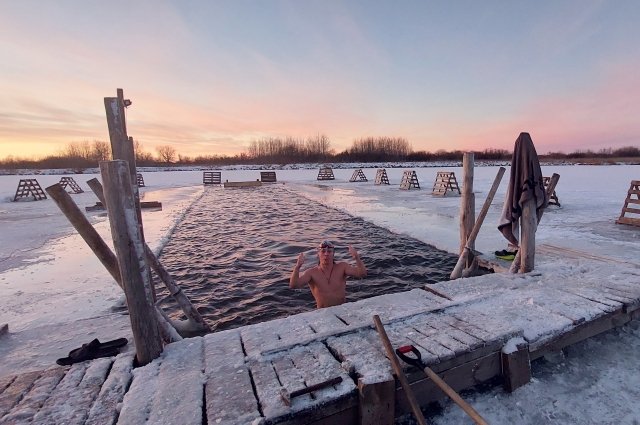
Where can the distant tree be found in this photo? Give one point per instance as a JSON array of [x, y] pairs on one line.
[[166, 153], [100, 151]]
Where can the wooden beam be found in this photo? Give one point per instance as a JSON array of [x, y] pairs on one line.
[[516, 367], [528, 227], [129, 247], [376, 402], [467, 204]]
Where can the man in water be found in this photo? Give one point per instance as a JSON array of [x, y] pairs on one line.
[[327, 280]]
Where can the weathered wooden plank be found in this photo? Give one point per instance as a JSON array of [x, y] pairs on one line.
[[228, 391], [426, 325], [18, 388], [256, 337], [595, 296], [105, 408], [565, 304], [318, 365], [322, 320], [180, 385], [514, 317], [75, 409], [359, 356], [386, 306], [24, 411], [267, 388], [304, 366], [136, 404], [54, 408], [578, 333], [440, 322]]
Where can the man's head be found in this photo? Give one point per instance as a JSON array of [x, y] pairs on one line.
[[325, 251]]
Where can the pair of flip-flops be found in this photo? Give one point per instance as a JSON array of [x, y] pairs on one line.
[[93, 350], [506, 255]]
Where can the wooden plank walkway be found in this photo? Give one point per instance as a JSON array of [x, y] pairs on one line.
[[235, 376]]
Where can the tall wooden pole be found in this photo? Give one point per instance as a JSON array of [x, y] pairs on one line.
[[467, 205], [129, 247], [122, 148]]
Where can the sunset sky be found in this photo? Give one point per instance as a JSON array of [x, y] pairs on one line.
[[208, 77]]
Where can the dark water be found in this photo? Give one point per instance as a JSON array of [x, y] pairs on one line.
[[235, 248]]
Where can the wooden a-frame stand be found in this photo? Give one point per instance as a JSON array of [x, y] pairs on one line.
[[69, 181], [553, 198], [633, 197], [358, 176], [326, 173], [409, 180], [445, 183], [381, 177], [29, 187]]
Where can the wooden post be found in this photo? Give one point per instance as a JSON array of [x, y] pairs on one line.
[[468, 205], [516, 265], [129, 248], [516, 367], [96, 187], [377, 402], [85, 229], [528, 227], [122, 148]]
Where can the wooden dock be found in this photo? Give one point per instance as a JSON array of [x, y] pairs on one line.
[[477, 330]]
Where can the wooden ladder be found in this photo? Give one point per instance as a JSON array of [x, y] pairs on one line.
[[381, 176], [633, 197], [326, 174], [69, 181], [27, 187], [358, 176], [409, 180], [445, 182]]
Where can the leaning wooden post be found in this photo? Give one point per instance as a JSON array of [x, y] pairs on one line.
[[85, 229], [96, 187], [467, 205], [129, 248], [175, 290]]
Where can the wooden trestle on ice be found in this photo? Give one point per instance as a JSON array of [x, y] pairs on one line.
[[469, 331]]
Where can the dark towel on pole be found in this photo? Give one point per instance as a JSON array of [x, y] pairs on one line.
[[525, 183]]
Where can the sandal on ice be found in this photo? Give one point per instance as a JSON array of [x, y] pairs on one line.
[[95, 344], [93, 350]]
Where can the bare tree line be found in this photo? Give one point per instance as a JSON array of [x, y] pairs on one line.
[[286, 150]]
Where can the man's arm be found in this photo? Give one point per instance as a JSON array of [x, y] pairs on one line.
[[359, 270], [297, 281]]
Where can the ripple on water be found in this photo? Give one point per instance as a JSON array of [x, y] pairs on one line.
[[234, 250]]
